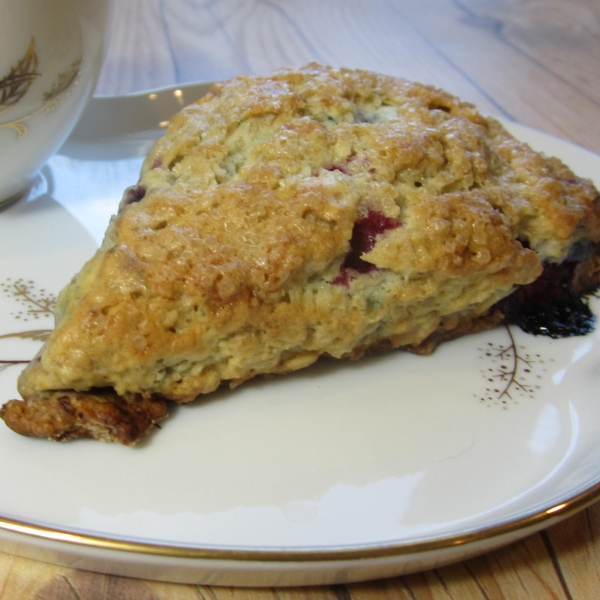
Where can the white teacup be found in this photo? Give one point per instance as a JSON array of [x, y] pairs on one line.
[[50, 58]]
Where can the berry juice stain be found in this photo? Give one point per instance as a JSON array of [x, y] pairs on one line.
[[549, 306]]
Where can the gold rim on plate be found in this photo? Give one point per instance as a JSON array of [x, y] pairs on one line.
[[538, 519]]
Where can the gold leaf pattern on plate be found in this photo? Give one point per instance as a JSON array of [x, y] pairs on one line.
[[35, 334], [513, 373], [4, 364], [37, 302]]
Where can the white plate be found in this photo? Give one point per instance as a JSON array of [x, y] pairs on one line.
[[345, 471]]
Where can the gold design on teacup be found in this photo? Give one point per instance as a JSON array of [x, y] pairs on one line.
[[16, 84], [63, 83]]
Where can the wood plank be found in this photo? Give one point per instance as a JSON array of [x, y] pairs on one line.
[[552, 33], [521, 570], [532, 92], [576, 549], [200, 45], [138, 56], [214, 41], [527, 75], [22, 578]]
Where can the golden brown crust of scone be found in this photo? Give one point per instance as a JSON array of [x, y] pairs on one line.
[[228, 259], [62, 416]]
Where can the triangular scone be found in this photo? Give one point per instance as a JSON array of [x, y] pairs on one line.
[[281, 218]]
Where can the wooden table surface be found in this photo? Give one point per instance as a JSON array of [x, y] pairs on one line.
[[534, 61]]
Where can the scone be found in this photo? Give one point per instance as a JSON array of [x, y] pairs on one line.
[[313, 212]]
